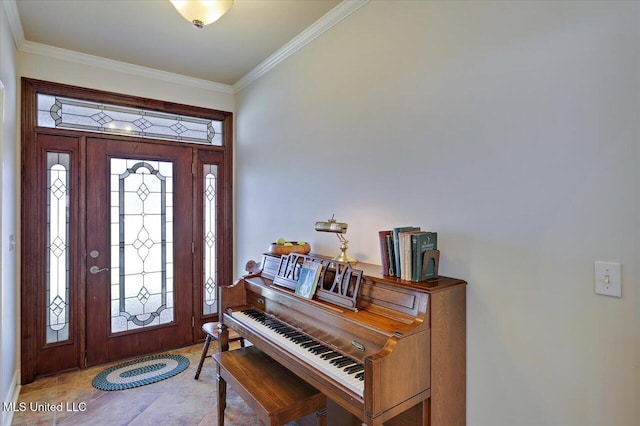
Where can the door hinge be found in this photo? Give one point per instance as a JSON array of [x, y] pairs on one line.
[[193, 168], [193, 321], [193, 247]]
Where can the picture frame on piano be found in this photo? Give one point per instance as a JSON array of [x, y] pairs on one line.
[[308, 279]]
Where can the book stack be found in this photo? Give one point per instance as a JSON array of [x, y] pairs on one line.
[[402, 252]]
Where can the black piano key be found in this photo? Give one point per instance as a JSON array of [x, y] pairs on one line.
[[360, 376], [294, 336], [312, 348], [318, 350], [336, 361], [345, 363], [330, 355], [354, 369]]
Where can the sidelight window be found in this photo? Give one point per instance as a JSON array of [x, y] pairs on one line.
[[57, 275], [210, 290]]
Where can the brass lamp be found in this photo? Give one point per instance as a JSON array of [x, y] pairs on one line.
[[337, 228]]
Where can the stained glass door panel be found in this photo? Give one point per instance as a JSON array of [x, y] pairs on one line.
[[210, 258], [141, 243], [139, 268], [58, 190]]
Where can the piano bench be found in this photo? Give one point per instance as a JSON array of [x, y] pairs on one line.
[[211, 333], [276, 395]]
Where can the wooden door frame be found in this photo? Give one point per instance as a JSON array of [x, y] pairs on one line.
[[32, 265]]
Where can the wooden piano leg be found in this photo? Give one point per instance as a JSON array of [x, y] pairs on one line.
[[321, 417], [222, 398]]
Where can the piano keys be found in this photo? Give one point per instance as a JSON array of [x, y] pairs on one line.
[[398, 357], [345, 369]]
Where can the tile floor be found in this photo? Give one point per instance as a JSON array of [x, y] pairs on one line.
[[179, 400]]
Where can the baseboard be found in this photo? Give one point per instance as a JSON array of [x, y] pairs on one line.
[[12, 396]]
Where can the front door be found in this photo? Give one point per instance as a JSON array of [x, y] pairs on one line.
[[139, 205], [126, 225]]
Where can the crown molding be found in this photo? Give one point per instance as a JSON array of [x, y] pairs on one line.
[[124, 67], [13, 16], [334, 16], [331, 18]]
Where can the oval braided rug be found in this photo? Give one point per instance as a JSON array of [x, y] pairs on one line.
[[140, 372]]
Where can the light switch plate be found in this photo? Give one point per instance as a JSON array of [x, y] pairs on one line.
[[608, 278]]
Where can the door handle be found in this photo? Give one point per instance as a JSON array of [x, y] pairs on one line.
[[95, 270]]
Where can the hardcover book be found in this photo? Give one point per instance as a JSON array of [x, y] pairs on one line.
[[405, 255], [384, 251], [308, 279]]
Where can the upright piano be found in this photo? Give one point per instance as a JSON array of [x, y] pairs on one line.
[[385, 350]]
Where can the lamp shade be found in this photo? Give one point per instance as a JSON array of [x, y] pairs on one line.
[[202, 12]]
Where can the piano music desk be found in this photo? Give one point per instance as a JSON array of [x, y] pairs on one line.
[[275, 394]]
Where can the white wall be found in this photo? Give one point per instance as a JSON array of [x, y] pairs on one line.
[[511, 129], [9, 319]]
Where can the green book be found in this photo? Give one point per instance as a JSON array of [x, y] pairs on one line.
[[421, 242]]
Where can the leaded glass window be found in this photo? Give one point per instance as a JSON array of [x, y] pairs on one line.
[[141, 244], [76, 114], [57, 275], [210, 305]]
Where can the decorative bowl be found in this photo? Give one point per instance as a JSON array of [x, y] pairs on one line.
[[281, 249]]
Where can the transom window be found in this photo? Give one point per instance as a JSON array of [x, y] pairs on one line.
[[65, 113]]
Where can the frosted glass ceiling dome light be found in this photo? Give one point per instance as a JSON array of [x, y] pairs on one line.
[[202, 12]]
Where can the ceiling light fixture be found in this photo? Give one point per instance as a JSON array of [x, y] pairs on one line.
[[202, 12]]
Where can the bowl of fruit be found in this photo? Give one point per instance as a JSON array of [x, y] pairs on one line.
[[283, 246]]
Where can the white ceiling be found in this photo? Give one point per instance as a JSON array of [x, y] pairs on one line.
[[151, 33]]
